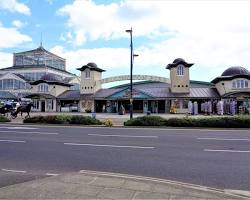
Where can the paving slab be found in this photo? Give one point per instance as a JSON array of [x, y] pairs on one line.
[[108, 182], [139, 185], [116, 193], [151, 195], [101, 185]]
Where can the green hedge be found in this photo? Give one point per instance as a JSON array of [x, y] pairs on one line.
[[63, 119], [4, 119], [217, 122], [146, 121]]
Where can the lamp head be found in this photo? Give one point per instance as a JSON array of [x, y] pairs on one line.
[[129, 30]]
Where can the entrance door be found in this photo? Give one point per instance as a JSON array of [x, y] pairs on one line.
[[42, 106]]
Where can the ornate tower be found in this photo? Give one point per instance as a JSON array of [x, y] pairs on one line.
[[90, 78], [179, 76]]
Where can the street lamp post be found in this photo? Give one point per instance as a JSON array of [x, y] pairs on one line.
[[132, 55]]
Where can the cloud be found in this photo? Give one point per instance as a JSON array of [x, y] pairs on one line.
[[6, 59], [18, 23], [212, 59], [212, 34], [106, 58], [10, 37], [94, 21], [14, 6]]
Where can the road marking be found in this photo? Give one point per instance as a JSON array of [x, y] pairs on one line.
[[226, 139], [13, 141], [33, 132], [124, 136], [51, 174], [225, 150], [105, 145], [20, 127], [141, 128], [12, 170]]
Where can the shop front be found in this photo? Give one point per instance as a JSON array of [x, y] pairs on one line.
[[43, 102], [241, 102]]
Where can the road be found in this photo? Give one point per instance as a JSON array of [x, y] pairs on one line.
[[214, 158]]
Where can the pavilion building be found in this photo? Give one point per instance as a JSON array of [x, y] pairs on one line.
[[41, 76]]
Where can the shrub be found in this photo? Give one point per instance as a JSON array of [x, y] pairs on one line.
[[146, 121], [63, 119], [36, 119], [108, 122], [180, 122], [216, 122], [77, 119], [4, 119]]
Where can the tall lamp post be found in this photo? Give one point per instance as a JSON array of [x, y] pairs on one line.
[[132, 55]]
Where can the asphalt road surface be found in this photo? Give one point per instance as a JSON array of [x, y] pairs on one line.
[[215, 158]]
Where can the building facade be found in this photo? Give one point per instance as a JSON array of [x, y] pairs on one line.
[[42, 77]]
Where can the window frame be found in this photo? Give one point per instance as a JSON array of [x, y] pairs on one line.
[[43, 87], [180, 70], [87, 73], [240, 84]]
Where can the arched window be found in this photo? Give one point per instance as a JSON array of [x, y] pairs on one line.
[[43, 87], [239, 83], [180, 70], [87, 73]]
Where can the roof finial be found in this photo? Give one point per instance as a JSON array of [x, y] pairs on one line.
[[41, 40]]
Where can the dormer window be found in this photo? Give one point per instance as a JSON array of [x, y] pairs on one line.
[[180, 70], [239, 84], [87, 73]]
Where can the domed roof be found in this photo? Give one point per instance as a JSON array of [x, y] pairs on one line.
[[51, 77], [178, 60], [91, 64], [232, 71]]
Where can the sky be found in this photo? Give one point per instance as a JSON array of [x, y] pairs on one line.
[[214, 35]]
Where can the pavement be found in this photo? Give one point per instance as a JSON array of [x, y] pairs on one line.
[[101, 185]]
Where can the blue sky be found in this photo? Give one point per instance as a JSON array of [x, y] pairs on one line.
[[212, 34]]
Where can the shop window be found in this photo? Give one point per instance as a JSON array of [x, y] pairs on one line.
[[49, 104], [36, 104], [185, 104]]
